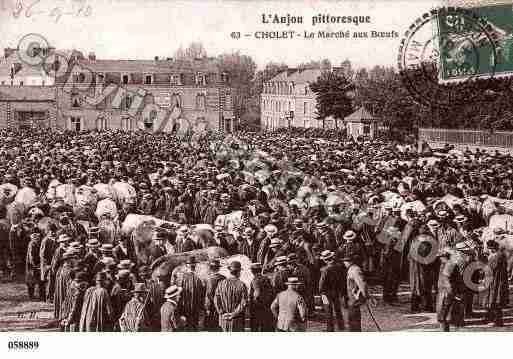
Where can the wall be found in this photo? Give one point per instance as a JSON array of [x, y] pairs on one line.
[[7, 110], [217, 100], [438, 137]]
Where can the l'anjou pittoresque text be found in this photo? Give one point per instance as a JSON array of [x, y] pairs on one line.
[[288, 19]]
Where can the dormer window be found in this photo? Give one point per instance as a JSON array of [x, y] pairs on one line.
[[176, 79], [201, 79], [78, 77], [75, 101], [148, 79], [201, 102]]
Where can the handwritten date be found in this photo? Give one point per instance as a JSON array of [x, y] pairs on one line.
[[35, 8]]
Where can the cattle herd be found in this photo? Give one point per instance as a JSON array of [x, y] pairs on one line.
[[133, 231]]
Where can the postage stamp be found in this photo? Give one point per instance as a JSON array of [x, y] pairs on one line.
[[455, 45]]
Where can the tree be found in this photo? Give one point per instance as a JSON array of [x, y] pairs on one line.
[[195, 50], [324, 65], [241, 72], [332, 90], [347, 69]]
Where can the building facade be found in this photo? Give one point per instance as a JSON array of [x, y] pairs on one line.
[[27, 107], [151, 95], [288, 101]]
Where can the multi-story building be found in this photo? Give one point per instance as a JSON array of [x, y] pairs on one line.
[[288, 101], [129, 94], [14, 72]]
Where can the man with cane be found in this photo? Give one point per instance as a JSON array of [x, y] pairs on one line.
[[357, 293], [135, 317]]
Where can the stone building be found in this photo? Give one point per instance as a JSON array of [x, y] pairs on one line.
[[27, 106], [14, 72], [153, 95], [288, 101]]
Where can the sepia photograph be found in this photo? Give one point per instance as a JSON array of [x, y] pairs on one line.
[[255, 166]]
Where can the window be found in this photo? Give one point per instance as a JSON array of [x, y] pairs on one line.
[[126, 123], [176, 101], [75, 123], [201, 102], [101, 123], [75, 101], [366, 129], [21, 83], [30, 119], [3, 82], [100, 78], [148, 79], [125, 79], [305, 108], [43, 83], [176, 79], [148, 121]]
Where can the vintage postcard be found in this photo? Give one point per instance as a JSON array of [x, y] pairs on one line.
[[255, 166]]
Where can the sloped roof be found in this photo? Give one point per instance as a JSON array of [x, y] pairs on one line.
[[26, 93], [360, 115], [297, 76], [305, 76], [149, 66], [25, 70], [282, 76]]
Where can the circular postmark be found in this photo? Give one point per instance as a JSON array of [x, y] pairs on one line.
[[442, 51], [33, 49]]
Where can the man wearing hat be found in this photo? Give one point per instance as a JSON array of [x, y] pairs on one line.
[[97, 314], [422, 259], [325, 236], [124, 250], [48, 248], [391, 263], [289, 308], [63, 280], [332, 287], [63, 241], [73, 302], [170, 318], [33, 268], [357, 292], [497, 292], [269, 258], [121, 294], [214, 277], [92, 257], [451, 287], [192, 300], [297, 269], [261, 295], [231, 299], [280, 274], [135, 317]]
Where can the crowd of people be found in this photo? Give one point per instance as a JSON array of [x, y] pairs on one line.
[[320, 216]]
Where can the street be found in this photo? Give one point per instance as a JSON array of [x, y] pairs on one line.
[[17, 313]]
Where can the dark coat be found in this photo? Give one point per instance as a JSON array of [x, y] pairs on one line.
[[496, 295]]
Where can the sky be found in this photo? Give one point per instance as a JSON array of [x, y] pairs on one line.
[[143, 29]]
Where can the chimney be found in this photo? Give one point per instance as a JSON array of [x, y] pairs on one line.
[[92, 56], [156, 58], [8, 52]]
